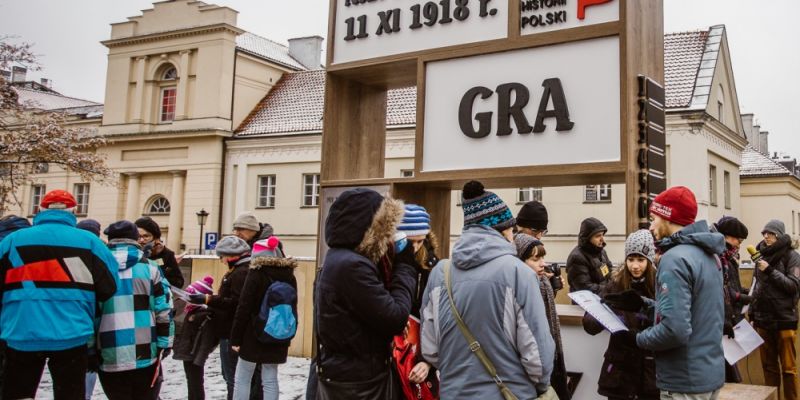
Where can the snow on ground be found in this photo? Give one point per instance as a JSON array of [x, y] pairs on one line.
[[292, 378]]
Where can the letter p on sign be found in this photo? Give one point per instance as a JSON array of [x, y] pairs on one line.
[[582, 4]]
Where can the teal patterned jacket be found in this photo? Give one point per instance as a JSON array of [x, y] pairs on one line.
[[137, 320]]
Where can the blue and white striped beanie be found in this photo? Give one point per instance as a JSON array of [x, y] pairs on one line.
[[483, 207], [416, 221]]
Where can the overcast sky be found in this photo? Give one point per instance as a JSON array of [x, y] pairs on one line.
[[762, 38]]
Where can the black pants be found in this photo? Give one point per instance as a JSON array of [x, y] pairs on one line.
[[25, 368], [194, 381], [130, 385]]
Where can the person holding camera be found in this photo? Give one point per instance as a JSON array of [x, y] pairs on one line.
[[532, 220], [531, 251], [629, 372]]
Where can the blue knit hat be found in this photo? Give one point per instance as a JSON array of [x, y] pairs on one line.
[[416, 221], [485, 208]]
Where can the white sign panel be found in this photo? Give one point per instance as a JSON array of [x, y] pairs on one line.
[[551, 105], [375, 28], [537, 16]]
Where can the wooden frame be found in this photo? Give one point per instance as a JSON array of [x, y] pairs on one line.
[[354, 139]]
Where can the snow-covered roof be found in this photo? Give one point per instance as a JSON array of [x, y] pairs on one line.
[[267, 49], [295, 105], [756, 164], [689, 62], [49, 100]]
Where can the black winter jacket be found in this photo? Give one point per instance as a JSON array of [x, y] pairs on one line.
[[628, 372], [169, 267], [777, 287], [357, 307], [197, 340], [588, 266], [225, 302], [263, 272]]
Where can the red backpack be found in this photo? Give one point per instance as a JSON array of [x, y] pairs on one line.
[[404, 352]]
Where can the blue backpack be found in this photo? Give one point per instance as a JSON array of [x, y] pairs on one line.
[[276, 322]]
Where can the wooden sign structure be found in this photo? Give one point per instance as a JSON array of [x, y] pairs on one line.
[[512, 93]]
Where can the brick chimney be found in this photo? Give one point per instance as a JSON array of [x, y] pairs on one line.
[[307, 51]]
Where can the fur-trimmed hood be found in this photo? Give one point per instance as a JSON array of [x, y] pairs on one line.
[[258, 262], [363, 221]]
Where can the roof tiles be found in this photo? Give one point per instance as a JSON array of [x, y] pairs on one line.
[[683, 53], [755, 164], [265, 48]]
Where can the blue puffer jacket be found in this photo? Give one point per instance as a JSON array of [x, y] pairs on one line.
[[52, 276], [690, 311]]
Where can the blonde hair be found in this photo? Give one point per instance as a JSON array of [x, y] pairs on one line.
[[422, 255]]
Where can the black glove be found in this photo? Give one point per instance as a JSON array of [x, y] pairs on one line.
[[164, 353], [745, 299], [727, 329], [94, 362], [626, 337], [197, 298], [406, 257], [628, 300]]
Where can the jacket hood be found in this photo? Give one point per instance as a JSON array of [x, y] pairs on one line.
[[783, 243], [696, 234], [589, 227], [364, 221], [55, 216], [480, 244], [11, 224], [127, 253], [276, 262]]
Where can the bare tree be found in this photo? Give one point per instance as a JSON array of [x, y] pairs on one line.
[[31, 136]]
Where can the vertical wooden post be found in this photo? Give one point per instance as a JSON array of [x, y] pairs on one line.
[[643, 53]]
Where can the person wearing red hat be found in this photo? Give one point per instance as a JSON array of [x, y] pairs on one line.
[[53, 276], [689, 311]]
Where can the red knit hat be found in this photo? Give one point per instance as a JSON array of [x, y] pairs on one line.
[[58, 199], [676, 204]]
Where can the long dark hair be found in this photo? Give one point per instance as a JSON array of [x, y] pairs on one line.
[[623, 280]]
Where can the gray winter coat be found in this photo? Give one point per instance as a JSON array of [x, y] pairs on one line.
[[690, 310], [498, 297]]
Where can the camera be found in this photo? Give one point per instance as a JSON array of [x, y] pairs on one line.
[[555, 281]]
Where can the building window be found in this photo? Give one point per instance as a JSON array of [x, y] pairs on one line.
[[719, 110], [37, 192], [81, 192], [168, 96], [726, 187], [407, 173], [527, 194], [41, 168], [170, 74], [310, 190], [597, 193], [720, 102], [712, 185], [266, 191], [158, 206]]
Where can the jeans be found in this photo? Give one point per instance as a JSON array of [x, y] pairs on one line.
[[25, 368], [227, 359], [136, 384], [244, 376], [778, 355], [689, 396], [91, 381], [194, 381]]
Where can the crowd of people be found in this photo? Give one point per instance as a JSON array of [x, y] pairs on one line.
[[392, 320]]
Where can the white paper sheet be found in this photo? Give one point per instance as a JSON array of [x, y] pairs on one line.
[[180, 293], [591, 303], [745, 340]]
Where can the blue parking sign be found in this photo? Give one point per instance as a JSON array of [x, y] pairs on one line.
[[211, 240]]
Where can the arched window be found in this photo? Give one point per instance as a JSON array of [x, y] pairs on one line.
[[170, 74], [158, 205], [169, 93]]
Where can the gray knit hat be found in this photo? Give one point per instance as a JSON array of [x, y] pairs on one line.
[[641, 243], [525, 244], [247, 221], [775, 226], [232, 246]]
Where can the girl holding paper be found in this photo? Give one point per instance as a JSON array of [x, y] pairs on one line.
[[629, 372]]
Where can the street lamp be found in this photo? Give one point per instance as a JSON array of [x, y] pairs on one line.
[[202, 216]]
